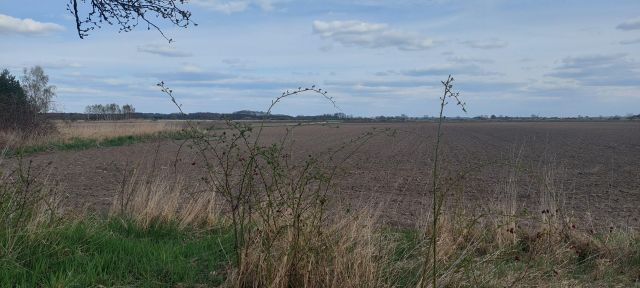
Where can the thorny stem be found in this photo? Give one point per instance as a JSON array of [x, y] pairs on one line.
[[289, 93]]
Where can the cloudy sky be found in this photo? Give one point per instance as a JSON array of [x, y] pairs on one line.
[[376, 57]]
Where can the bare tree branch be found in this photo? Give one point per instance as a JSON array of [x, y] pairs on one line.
[[128, 14]]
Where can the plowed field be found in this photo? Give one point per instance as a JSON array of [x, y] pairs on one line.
[[593, 168]]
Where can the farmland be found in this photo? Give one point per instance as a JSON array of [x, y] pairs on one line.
[[593, 166]]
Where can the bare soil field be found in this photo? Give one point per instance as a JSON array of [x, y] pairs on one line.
[[592, 168]]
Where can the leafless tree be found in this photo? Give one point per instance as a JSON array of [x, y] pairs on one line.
[[110, 111], [128, 110], [35, 84], [127, 14]]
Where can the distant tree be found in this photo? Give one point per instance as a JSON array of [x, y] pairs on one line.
[[17, 112], [110, 111], [340, 115], [88, 111], [13, 101], [35, 84], [127, 14], [128, 110]]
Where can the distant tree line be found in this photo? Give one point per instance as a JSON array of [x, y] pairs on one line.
[[24, 102], [258, 115], [111, 111]]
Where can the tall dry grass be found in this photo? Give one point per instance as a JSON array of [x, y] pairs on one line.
[[96, 130], [109, 129], [344, 251], [149, 199], [501, 248]]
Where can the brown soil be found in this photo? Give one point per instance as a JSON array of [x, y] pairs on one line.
[[596, 166]]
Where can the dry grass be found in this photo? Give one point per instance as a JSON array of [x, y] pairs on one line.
[[67, 132], [355, 250], [347, 252], [109, 129], [10, 139], [151, 199]]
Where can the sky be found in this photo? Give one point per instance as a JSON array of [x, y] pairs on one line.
[[374, 57]]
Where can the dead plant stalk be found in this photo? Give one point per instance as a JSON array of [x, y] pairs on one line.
[[437, 202]]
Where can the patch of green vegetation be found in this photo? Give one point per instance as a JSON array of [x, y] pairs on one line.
[[88, 143], [115, 253], [406, 260]]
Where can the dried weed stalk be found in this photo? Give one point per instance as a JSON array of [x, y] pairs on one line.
[[436, 198]]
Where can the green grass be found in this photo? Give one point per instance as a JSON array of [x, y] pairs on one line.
[[408, 252], [87, 143], [116, 253]]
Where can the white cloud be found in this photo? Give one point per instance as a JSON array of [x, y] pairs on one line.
[[266, 5], [115, 81], [78, 90], [59, 64], [467, 59], [370, 35], [328, 29], [191, 68], [163, 50], [486, 44], [442, 70], [233, 6], [62, 64], [26, 26], [632, 24]]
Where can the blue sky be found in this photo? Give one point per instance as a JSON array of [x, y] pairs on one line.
[[375, 57]]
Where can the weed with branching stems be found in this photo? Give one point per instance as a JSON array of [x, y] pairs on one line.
[[272, 195], [438, 200]]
